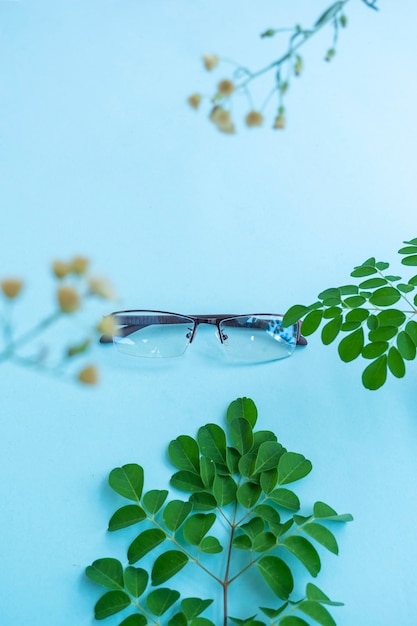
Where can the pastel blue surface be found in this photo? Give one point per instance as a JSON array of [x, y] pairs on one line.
[[101, 156]]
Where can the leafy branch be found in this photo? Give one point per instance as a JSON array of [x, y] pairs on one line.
[[238, 506], [74, 287], [365, 317], [284, 69]]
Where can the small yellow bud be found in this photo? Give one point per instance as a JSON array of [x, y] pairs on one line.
[[279, 121], [79, 265], [11, 287], [210, 61], [343, 21], [68, 299], [102, 288], [268, 33], [298, 66], [222, 120], [330, 54], [194, 100], [107, 326], [254, 118], [88, 375], [60, 269], [225, 88]]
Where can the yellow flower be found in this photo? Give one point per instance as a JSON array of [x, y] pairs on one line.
[[88, 375], [68, 299], [60, 268], [279, 121], [194, 100], [107, 326], [11, 287], [254, 118], [210, 61], [102, 288], [225, 87], [79, 265], [222, 120]]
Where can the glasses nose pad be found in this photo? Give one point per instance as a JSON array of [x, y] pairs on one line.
[[221, 336]]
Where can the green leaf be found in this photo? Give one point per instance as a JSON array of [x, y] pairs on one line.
[[331, 330], [242, 542], [375, 349], [268, 514], [212, 441], [408, 250], [201, 621], [112, 602], [294, 314], [254, 527], [232, 459], [243, 408], [354, 301], [406, 346], [136, 580], [322, 535], [260, 436], [274, 612], [264, 541], [269, 454], [178, 619], [396, 363], [277, 575], [405, 288], [409, 260], [323, 511], [127, 481], [292, 466], [357, 315], [330, 294], [211, 545], [135, 620], [312, 321], [411, 330], [268, 480], [185, 454], [224, 490], [187, 481], [391, 317], [332, 312], [385, 296], [192, 607], [160, 600], [197, 526], [207, 471], [203, 501], [175, 514], [413, 280], [246, 465], [317, 595], [317, 612], [381, 265], [373, 283], [167, 565], [241, 434], [248, 494], [126, 516], [106, 572], [412, 242], [153, 500], [292, 620], [144, 543], [351, 346], [383, 333], [305, 552], [285, 498], [375, 375], [360, 271], [372, 322]]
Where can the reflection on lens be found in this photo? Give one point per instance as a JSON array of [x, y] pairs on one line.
[[258, 338], [152, 334]]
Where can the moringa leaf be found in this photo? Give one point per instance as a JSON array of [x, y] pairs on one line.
[[243, 408], [111, 603], [285, 498], [144, 543], [277, 575], [291, 467], [351, 346], [126, 516], [318, 612], [212, 441], [185, 454], [294, 314], [375, 375], [305, 552], [241, 434], [192, 607], [396, 362], [136, 580], [106, 572], [248, 494], [127, 481], [175, 513], [312, 321], [197, 526], [160, 600], [323, 535], [153, 500], [166, 566]]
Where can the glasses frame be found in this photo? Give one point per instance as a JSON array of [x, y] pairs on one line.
[[213, 319]]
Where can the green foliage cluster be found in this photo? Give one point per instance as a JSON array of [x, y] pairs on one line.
[[364, 319], [239, 510]]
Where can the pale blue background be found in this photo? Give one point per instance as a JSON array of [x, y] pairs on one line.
[[100, 155]]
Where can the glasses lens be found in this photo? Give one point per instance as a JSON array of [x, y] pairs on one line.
[[152, 334], [257, 338]]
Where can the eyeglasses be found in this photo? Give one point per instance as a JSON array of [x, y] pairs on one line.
[[257, 337]]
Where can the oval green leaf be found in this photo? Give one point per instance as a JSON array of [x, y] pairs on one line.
[[374, 349], [175, 514], [126, 516], [197, 526], [210, 545], [160, 600], [192, 607], [285, 498], [269, 454], [351, 346], [185, 454], [167, 565], [136, 580], [212, 441], [224, 490], [241, 434], [396, 363], [331, 330], [187, 481], [305, 552], [322, 535], [386, 296], [243, 407], [106, 572], [248, 494], [409, 260], [312, 321], [127, 481], [406, 346], [153, 500], [375, 375], [144, 543], [317, 612], [277, 575], [292, 466], [111, 603], [294, 314]]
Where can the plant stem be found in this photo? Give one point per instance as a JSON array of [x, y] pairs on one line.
[[29, 335]]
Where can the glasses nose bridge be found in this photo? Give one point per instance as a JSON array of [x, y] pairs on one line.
[[204, 319]]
